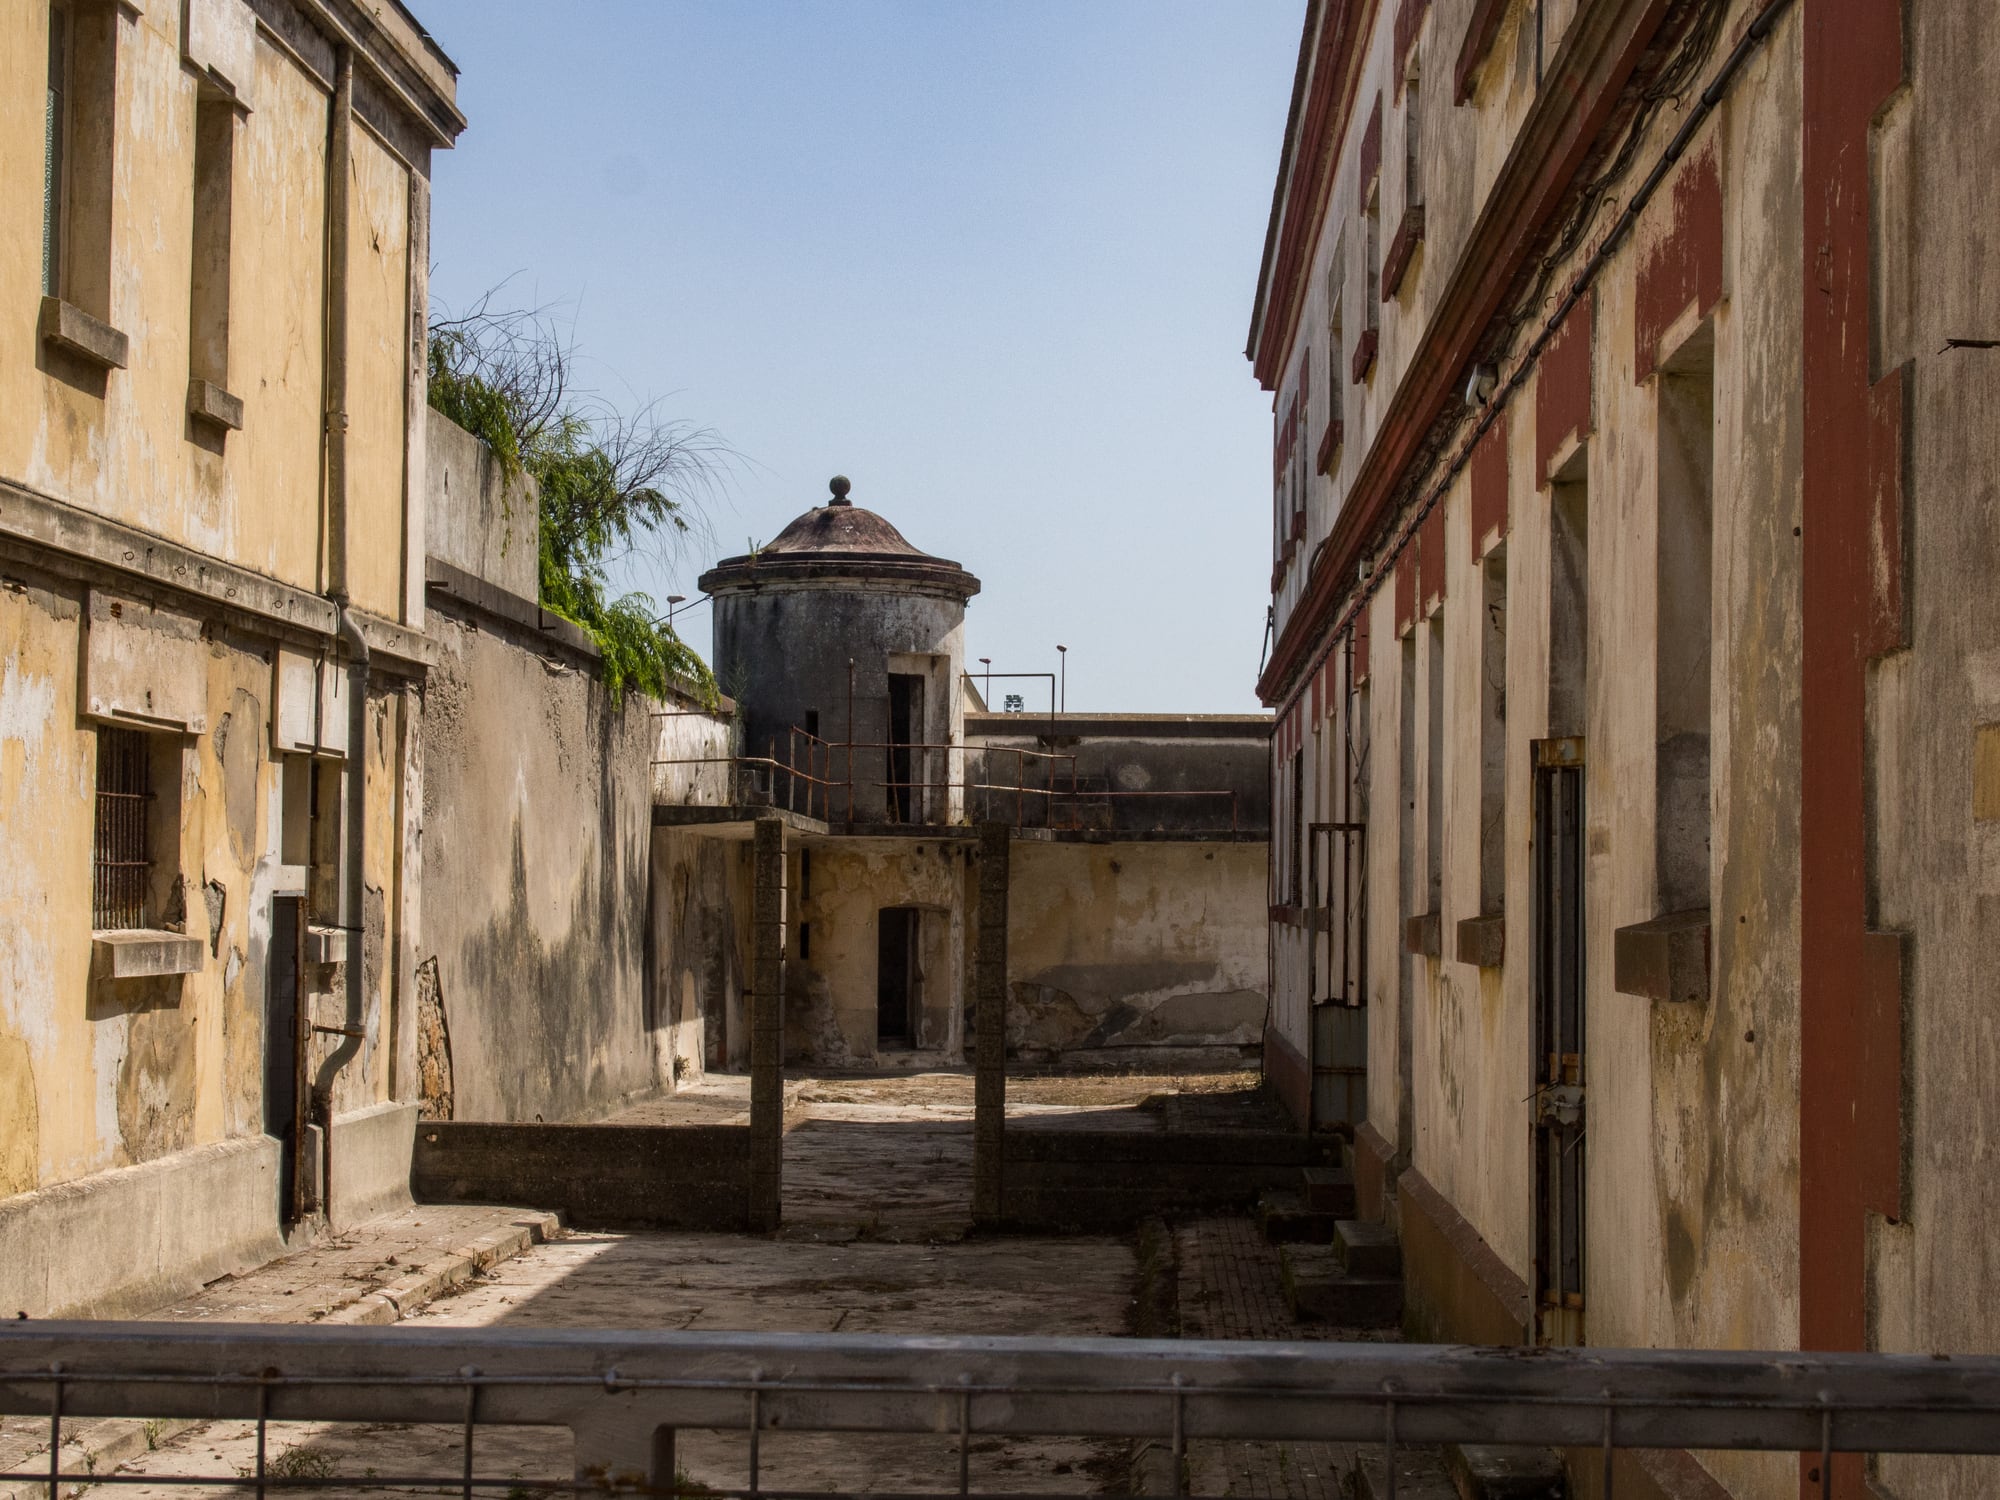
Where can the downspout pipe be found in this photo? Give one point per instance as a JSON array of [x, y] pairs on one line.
[[353, 919]]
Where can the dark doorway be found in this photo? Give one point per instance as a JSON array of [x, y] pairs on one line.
[[898, 975], [906, 718], [284, 1091], [1558, 1108]]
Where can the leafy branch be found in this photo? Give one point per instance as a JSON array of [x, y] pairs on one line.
[[611, 481]]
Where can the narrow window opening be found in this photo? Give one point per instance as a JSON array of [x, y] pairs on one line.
[[122, 863], [1297, 852], [1684, 591], [1569, 556], [1413, 117], [1493, 735], [805, 874], [1371, 271], [805, 940], [1408, 884], [812, 722], [906, 710], [1434, 765], [79, 144], [55, 135], [208, 302]]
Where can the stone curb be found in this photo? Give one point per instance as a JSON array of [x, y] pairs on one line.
[[105, 1445]]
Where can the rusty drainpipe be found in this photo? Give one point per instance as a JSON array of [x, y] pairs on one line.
[[339, 173]]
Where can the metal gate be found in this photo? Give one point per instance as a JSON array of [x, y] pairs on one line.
[[1557, 1111]]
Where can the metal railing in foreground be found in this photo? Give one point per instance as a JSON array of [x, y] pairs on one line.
[[622, 1395]]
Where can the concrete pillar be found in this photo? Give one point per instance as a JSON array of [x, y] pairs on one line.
[[767, 1023], [989, 989]]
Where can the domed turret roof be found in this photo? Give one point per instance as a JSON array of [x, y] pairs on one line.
[[837, 542]]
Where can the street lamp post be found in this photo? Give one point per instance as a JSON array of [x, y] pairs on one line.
[[1062, 698]]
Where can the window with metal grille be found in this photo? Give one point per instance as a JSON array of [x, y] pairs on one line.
[[121, 862]]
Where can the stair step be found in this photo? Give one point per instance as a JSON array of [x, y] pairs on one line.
[[1420, 1475], [1319, 1290], [1368, 1249], [1329, 1190], [1486, 1472], [1285, 1219]]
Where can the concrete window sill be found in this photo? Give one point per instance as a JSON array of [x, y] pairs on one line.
[[74, 331], [209, 402], [140, 953], [1664, 959], [1424, 935], [1482, 941]]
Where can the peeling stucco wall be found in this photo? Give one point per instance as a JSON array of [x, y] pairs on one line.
[[538, 852], [1116, 946]]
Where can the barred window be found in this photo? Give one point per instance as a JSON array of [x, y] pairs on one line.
[[121, 860]]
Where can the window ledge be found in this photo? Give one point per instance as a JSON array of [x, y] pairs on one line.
[[1364, 353], [1329, 445], [1482, 941], [1402, 249], [1664, 959], [209, 402], [142, 953], [1424, 935], [69, 328]]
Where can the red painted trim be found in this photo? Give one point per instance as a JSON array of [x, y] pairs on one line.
[[1409, 235], [1488, 483], [1364, 353], [1850, 1042], [1431, 568], [1480, 31], [1371, 155], [1409, 18], [1335, 68], [1406, 591], [1683, 266], [1584, 89], [1562, 387], [1329, 443]]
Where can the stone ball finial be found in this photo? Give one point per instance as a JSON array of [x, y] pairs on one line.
[[839, 485]]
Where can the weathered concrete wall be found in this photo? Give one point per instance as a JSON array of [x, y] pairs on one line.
[[596, 1176], [1064, 1178], [830, 1000], [538, 852], [699, 955], [1838, 670], [783, 652], [1134, 945], [99, 1074], [122, 444], [475, 518], [1129, 773]]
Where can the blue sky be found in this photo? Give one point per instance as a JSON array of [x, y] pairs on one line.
[[992, 261]]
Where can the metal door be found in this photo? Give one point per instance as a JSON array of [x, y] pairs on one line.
[[1557, 1111], [285, 1055]]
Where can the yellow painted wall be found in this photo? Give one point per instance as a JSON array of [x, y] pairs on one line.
[[126, 449]]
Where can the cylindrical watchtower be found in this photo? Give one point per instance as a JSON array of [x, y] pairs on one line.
[[842, 630]]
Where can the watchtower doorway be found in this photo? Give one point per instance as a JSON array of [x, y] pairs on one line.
[[899, 975], [906, 722]]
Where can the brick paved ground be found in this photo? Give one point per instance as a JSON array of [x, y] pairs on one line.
[[1230, 1288]]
